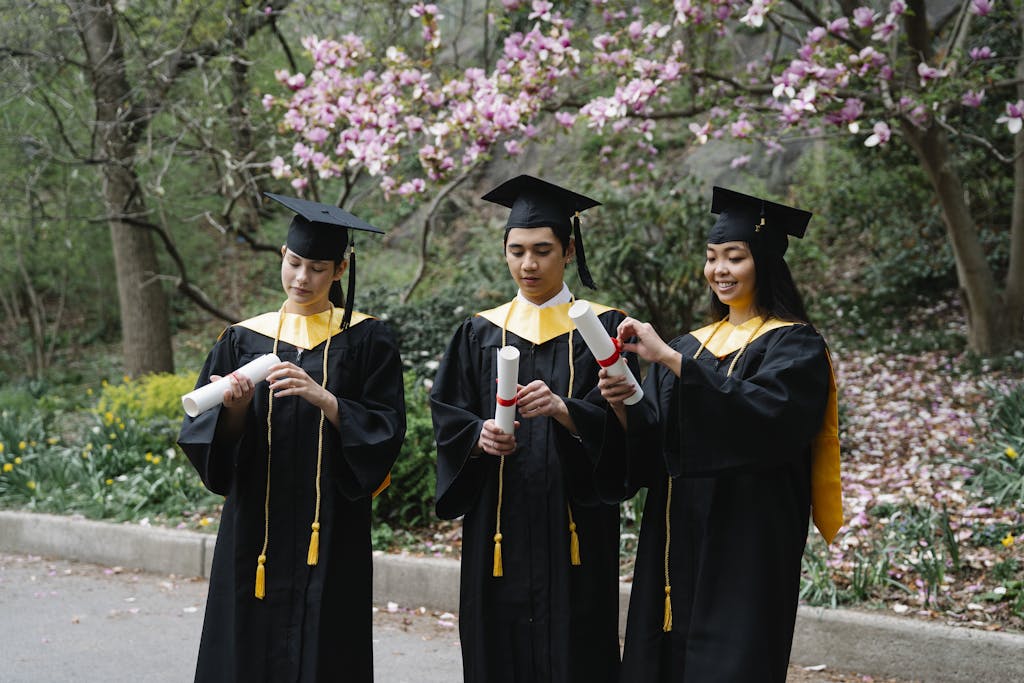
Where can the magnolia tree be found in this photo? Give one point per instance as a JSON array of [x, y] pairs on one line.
[[937, 79]]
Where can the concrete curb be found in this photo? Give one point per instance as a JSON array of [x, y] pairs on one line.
[[867, 643]]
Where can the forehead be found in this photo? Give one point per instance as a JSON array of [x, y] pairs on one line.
[[527, 237], [295, 257], [726, 247]]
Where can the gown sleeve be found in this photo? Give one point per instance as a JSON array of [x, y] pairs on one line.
[[371, 423], [455, 409], [718, 423], [214, 461], [581, 454], [629, 459]]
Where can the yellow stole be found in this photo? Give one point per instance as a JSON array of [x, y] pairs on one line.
[[302, 331], [826, 489], [535, 324]]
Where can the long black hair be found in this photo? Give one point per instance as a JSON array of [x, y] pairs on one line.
[[776, 294]]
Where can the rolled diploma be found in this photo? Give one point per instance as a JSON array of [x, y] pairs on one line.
[[508, 376], [601, 345], [212, 394]]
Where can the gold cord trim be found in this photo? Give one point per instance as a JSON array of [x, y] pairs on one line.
[[313, 556], [261, 571], [574, 541], [667, 624]]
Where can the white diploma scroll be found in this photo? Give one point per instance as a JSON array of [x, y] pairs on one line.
[[212, 394], [602, 346], [508, 377]]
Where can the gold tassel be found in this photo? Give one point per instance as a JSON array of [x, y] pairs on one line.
[[667, 626], [261, 577], [574, 545], [497, 556], [314, 545]]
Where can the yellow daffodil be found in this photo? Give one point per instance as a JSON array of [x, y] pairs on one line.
[[149, 457], [104, 383], [31, 485], [1, 446], [17, 461], [156, 459], [112, 436], [108, 417], [85, 455], [8, 467], [205, 521], [52, 440], [88, 391], [110, 482], [1007, 540], [1011, 453], [88, 446], [22, 445]]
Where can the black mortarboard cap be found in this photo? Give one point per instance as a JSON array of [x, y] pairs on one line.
[[536, 203], [761, 223], [321, 232]]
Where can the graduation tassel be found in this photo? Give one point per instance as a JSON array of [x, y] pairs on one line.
[[574, 539], [498, 570], [667, 625], [314, 545], [261, 577]]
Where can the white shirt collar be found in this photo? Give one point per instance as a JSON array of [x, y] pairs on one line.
[[563, 297]]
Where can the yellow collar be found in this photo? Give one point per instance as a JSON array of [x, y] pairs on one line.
[[534, 324], [303, 331], [730, 338]]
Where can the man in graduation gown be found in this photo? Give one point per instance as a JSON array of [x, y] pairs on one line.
[[737, 439], [280, 609], [539, 585]]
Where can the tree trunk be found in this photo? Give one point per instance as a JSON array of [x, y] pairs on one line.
[[990, 323], [1015, 276], [145, 326]]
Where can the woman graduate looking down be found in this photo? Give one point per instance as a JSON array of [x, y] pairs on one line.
[[539, 584], [298, 457], [736, 442]]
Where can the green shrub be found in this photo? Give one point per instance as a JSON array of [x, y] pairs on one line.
[[147, 397], [409, 501]]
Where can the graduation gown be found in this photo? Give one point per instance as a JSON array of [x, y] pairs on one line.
[[544, 620], [314, 622], [738, 449]]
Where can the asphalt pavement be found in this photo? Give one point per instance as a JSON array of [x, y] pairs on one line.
[[68, 621], [67, 613]]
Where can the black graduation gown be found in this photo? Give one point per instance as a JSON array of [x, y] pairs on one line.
[[544, 620], [739, 452], [314, 623]]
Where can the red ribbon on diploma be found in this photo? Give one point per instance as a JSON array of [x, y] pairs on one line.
[[611, 360], [506, 402]]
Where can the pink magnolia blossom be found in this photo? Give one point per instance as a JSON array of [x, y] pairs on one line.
[[1014, 116], [839, 27], [565, 119], [973, 99], [864, 17], [981, 7], [930, 73], [981, 53], [740, 161], [880, 136]]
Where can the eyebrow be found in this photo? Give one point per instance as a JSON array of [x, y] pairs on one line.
[[531, 244]]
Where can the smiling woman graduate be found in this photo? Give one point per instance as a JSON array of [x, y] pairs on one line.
[[298, 458], [737, 443], [539, 584]]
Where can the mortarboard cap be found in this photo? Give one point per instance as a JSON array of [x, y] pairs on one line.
[[320, 232], [536, 203], [758, 222]]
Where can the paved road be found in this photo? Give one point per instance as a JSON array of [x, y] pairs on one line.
[[66, 621]]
